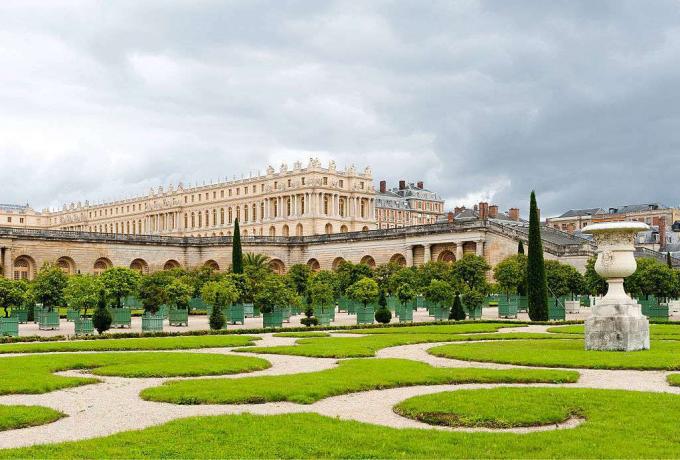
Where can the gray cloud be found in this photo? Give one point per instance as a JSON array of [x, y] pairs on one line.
[[481, 99]]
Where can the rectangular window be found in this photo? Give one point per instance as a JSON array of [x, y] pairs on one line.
[[229, 192], [361, 185], [325, 181], [9, 219], [221, 193], [303, 181], [238, 191], [341, 183], [21, 220], [289, 182], [245, 190]]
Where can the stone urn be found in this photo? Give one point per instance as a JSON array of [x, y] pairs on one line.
[[617, 322]]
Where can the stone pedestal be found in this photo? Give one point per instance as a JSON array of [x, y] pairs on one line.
[[617, 333]]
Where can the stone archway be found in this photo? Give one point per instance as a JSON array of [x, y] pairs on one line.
[[314, 265], [364, 228], [343, 229], [67, 265], [24, 268], [446, 256], [368, 260], [171, 264], [272, 231], [140, 265], [336, 262], [285, 231], [211, 264], [329, 228], [299, 230], [277, 266], [398, 259], [101, 265]]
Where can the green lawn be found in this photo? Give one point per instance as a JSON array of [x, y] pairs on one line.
[[13, 417], [656, 331], [674, 380], [365, 347], [302, 334], [619, 424], [464, 328], [350, 376], [35, 374], [146, 343], [493, 408], [664, 355]]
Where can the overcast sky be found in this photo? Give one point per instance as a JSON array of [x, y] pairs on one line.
[[479, 99]]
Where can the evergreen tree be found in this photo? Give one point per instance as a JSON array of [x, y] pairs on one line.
[[669, 261], [537, 290], [101, 319], [520, 247], [216, 319], [236, 251], [457, 311]]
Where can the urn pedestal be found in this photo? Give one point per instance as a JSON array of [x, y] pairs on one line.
[[617, 323]]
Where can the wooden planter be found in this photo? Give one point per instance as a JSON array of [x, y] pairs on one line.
[[272, 318], [286, 314], [248, 310], [72, 314], [9, 327], [21, 314], [83, 326], [235, 314], [556, 311], [121, 317], [324, 318], [48, 320], [473, 313], [178, 317], [37, 311], [405, 313], [654, 311], [343, 304], [507, 307], [365, 315], [441, 313], [163, 311], [152, 323]]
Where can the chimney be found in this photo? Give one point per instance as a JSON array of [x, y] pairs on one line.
[[402, 184], [383, 186], [458, 209], [420, 185], [493, 211], [483, 209], [513, 214], [662, 232], [450, 216]]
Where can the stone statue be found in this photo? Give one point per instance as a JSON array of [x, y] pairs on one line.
[[617, 322]]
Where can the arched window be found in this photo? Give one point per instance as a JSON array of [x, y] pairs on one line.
[[363, 208], [238, 213], [302, 204], [214, 217], [254, 212], [245, 213], [342, 207], [186, 220], [285, 230], [288, 207], [193, 220], [329, 228], [272, 231], [23, 268], [276, 208], [325, 204], [207, 218], [231, 221], [222, 216]]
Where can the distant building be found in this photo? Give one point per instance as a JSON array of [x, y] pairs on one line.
[[406, 205], [20, 216], [483, 210]]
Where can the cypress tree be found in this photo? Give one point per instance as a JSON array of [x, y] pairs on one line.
[[520, 247], [101, 318], [457, 311], [537, 289], [669, 261], [236, 251]]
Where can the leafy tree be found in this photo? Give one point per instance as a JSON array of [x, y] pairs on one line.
[[520, 247], [299, 275], [365, 291], [382, 300], [101, 318], [328, 277], [405, 294], [594, 283], [216, 320], [383, 273], [179, 294], [153, 292], [537, 289], [471, 272], [49, 285], [119, 283], [244, 285], [652, 278], [236, 250], [473, 299], [274, 293], [510, 273], [11, 295], [434, 270], [321, 293], [220, 293], [348, 273], [406, 275], [82, 292], [439, 293], [257, 261], [556, 278], [457, 313]]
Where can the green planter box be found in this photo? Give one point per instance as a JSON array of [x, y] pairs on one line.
[[37, 311], [393, 303], [343, 304], [420, 302], [48, 320], [132, 302], [585, 301], [654, 311], [272, 319], [248, 310], [163, 311], [197, 303], [522, 303], [405, 313], [121, 317], [9, 327], [286, 312], [21, 314], [473, 313], [152, 323], [178, 317], [83, 326], [441, 313], [324, 318], [325, 314], [556, 310], [365, 315], [72, 314], [507, 307], [353, 307], [235, 314]]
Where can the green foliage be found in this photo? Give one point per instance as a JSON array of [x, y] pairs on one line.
[[220, 293], [457, 313], [365, 291], [321, 293], [520, 247], [153, 291], [15, 417], [348, 274], [471, 272], [82, 292], [299, 275], [119, 283], [653, 278], [473, 298], [511, 273], [594, 283], [439, 292], [11, 295], [405, 293], [236, 250], [217, 319], [435, 270], [101, 319], [383, 315], [309, 319], [563, 279], [273, 294], [383, 273], [198, 277], [405, 275], [537, 289], [48, 286], [179, 294]]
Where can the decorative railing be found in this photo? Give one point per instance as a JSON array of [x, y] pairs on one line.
[[641, 252]]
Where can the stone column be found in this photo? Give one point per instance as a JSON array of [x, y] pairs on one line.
[[409, 256], [459, 250], [479, 247], [427, 256]]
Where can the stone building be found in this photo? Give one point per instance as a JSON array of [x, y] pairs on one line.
[[20, 216], [298, 201], [406, 205]]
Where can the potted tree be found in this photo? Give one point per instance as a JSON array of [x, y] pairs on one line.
[[11, 296], [48, 289], [120, 283], [219, 295], [405, 295], [271, 298], [179, 294], [322, 297], [81, 292], [439, 294], [364, 291], [20, 312], [101, 318], [153, 293], [473, 301]]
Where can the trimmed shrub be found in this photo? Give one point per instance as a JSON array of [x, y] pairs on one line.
[[101, 319], [383, 315]]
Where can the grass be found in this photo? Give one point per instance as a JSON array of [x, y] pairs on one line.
[[664, 355], [303, 334], [619, 424], [35, 374], [656, 331], [492, 408], [674, 380], [465, 328], [150, 343], [15, 417], [366, 347], [349, 377]]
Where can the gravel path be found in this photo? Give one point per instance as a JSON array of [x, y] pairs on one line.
[[114, 405]]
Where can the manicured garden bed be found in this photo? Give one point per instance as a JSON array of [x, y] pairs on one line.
[[14, 417]]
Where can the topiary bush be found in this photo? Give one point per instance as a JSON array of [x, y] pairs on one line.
[[457, 313], [383, 315], [101, 319], [309, 319], [216, 319]]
